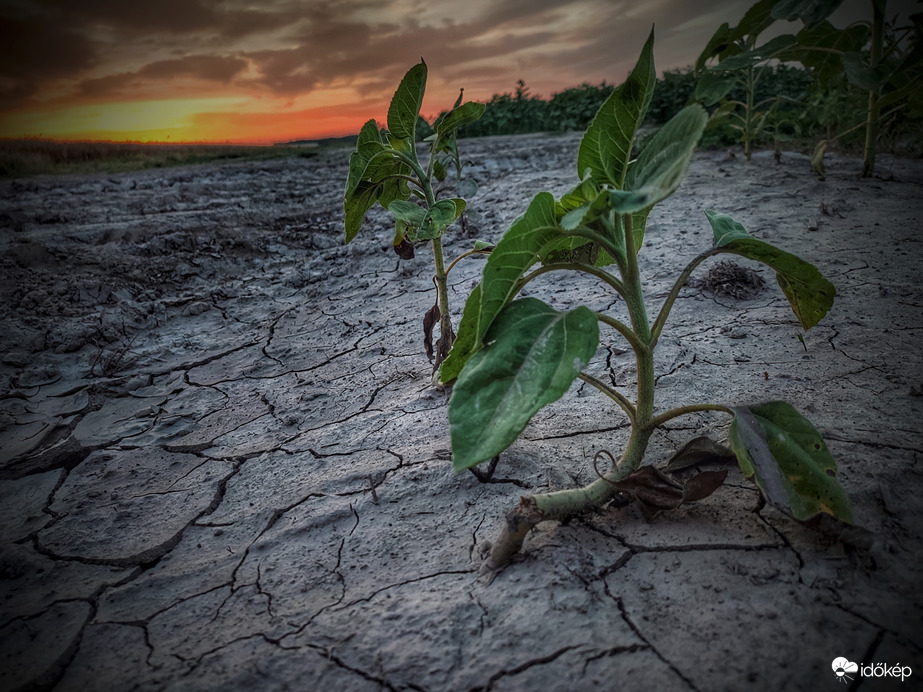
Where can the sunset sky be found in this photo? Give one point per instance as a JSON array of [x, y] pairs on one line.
[[279, 70]]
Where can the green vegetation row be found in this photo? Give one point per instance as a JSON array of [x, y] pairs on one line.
[[805, 111]]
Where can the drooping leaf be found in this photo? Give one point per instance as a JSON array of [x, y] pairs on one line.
[[789, 461], [430, 319], [817, 159], [662, 165], [699, 450], [811, 12], [403, 248], [809, 293], [406, 102], [533, 355], [522, 246], [466, 341], [655, 492], [712, 87], [361, 199], [605, 149], [439, 170]]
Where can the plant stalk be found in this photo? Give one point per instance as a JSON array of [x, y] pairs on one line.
[[562, 504], [874, 111], [446, 332]]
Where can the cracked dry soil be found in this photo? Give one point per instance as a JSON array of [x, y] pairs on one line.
[[224, 466]]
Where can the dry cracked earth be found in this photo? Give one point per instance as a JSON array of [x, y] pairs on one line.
[[223, 465]]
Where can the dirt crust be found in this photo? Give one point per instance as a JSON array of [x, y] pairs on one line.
[[222, 457]]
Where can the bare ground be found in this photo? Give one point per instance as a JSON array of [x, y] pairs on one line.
[[223, 464]]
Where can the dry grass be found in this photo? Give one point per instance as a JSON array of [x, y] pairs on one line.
[[27, 157]]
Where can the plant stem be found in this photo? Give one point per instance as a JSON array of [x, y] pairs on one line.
[[662, 418], [561, 504], [622, 329], [462, 256], [674, 293], [600, 274], [748, 132], [617, 397], [446, 332], [874, 111]]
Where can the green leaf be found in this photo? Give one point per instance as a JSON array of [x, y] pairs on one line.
[[534, 355], [789, 461], [605, 149], [467, 187], [466, 339], [372, 177], [861, 75], [809, 293], [464, 114], [571, 250], [405, 105], [586, 213], [811, 12], [755, 20], [440, 217], [662, 165], [717, 45], [767, 51], [439, 170], [362, 198], [408, 212], [713, 87], [819, 48], [522, 245]]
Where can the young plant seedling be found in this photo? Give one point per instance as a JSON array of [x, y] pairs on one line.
[[385, 169], [741, 63], [515, 355]]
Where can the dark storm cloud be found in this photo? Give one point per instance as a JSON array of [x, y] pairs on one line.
[[205, 67], [179, 16], [33, 53], [331, 48], [295, 46], [46, 40]]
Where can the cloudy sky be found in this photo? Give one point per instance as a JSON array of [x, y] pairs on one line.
[[277, 70]]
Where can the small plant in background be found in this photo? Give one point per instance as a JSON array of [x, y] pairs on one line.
[[385, 169], [515, 355], [743, 64], [878, 57], [883, 60]]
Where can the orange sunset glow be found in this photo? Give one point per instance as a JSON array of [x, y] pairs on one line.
[[283, 70]]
